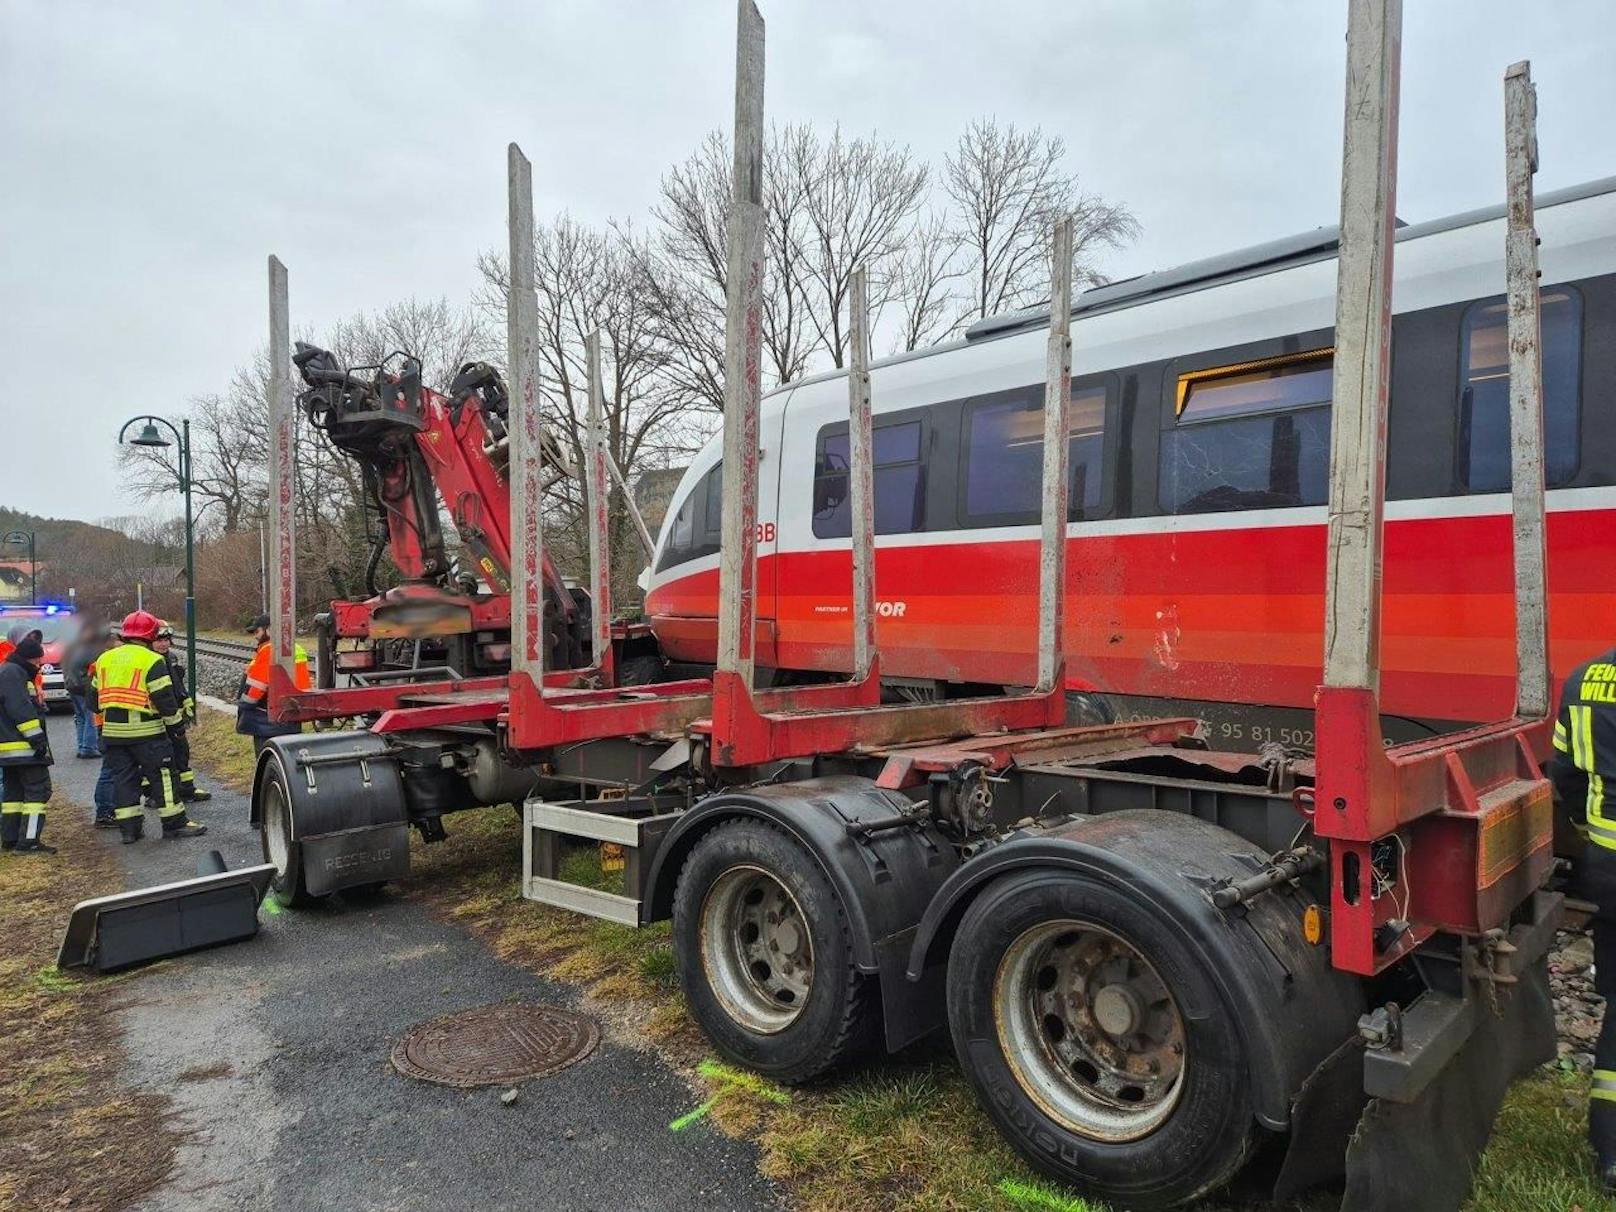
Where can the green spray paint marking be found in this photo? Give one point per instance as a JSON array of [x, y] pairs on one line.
[[1028, 1195], [272, 906], [728, 1079], [690, 1117]]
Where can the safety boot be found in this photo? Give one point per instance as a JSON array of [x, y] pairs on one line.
[[200, 796], [35, 848], [185, 827], [132, 830]]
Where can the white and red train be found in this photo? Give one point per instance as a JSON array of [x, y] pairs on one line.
[[1200, 457]]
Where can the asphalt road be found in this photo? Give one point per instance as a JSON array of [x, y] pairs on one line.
[[276, 1053]]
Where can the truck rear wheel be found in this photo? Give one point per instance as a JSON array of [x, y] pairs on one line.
[[765, 956], [280, 847], [1098, 1040]]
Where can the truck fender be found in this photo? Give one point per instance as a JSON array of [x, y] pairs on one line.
[[345, 801], [884, 880], [1292, 1009]]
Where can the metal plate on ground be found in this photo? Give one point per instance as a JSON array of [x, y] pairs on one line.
[[495, 1045]]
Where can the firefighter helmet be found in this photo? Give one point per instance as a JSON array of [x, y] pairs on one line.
[[139, 625]]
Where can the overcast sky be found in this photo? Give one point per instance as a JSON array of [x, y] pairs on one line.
[[152, 153]]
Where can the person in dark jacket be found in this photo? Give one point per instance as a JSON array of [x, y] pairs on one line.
[[189, 792], [25, 756], [92, 642], [1582, 766], [252, 696]]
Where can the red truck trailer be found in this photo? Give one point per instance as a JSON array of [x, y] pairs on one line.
[[1157, 961]]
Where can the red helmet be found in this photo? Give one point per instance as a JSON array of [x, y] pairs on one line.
[[139, 625]]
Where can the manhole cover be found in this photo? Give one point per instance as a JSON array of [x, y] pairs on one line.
[[495, 1045]]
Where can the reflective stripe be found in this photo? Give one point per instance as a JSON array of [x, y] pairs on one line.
[[257, 685], [1603, 834], [174, 720], [28, 726], [187, 776], [16, 747], [1604, 1085], [11, 806], [33, 824], [1560, 740], [126, 814], [132, 730], [156, 684]]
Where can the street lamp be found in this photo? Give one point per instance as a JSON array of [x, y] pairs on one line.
[[20, 537], [151, 437]]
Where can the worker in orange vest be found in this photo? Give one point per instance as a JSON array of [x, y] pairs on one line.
[[252, 704]]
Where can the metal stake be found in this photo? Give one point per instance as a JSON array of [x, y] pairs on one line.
[[743, 388], [282, 507], [528, 640], [599, 491], [1057, 430], [635, 516], [1525, 398], [861, 473], [1362, 346]]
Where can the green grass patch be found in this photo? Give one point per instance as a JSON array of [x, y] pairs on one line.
[[218, 749]]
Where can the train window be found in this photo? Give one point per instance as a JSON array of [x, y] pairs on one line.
[[1004, 457], [1484, 390], [1255, 435], [695, 527], [900, 482]]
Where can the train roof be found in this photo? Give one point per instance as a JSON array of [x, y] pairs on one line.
[[1316, 245]]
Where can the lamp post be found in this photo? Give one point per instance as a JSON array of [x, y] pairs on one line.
[[19, 537], [152, 437]]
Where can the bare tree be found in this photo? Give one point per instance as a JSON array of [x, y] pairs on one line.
[[858, 196], [923, 278], [1008, 187]]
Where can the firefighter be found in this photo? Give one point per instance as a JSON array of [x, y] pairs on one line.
[[104, 807], [1584, 758], [25, 756], [190, 793], [252, 702], [134, 693]]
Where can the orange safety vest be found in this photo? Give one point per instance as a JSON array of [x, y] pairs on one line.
[[258, 672], [6, 649]]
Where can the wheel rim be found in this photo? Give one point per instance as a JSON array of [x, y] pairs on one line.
[[1090, 1030], [276, 847], [756, 950]]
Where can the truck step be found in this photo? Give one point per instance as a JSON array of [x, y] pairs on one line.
[[631, 823]]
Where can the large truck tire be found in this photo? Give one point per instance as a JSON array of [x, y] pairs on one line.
[[280, 847], [1098, 1039], [766, 956]]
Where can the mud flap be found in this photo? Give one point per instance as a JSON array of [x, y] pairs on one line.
[[1423, 1154], [371, 854], [1327, 1110], [111, 932]]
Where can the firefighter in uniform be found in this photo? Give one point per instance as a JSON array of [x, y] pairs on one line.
[[189, 792], [25, 756], [135, 695], [252, 703], [1584, 760]]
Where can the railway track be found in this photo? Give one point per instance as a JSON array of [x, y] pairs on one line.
[[224, 650]]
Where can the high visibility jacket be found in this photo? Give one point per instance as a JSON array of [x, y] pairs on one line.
[[22, 732], [255, 684], [132, 690], [1585, 748]]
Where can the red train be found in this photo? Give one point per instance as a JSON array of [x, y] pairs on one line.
[[1200, 448]]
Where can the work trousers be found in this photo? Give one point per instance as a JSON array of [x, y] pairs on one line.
[[149, 761], [85, 732], [26, 790], [184, 776], [1598, 884]]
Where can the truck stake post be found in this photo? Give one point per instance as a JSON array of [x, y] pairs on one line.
[[598, 488], [1526, 399], [529, 635], [282, 508]]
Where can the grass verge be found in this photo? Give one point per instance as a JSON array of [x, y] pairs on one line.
[[71, 1136], [903, 1132], [218, 749]]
